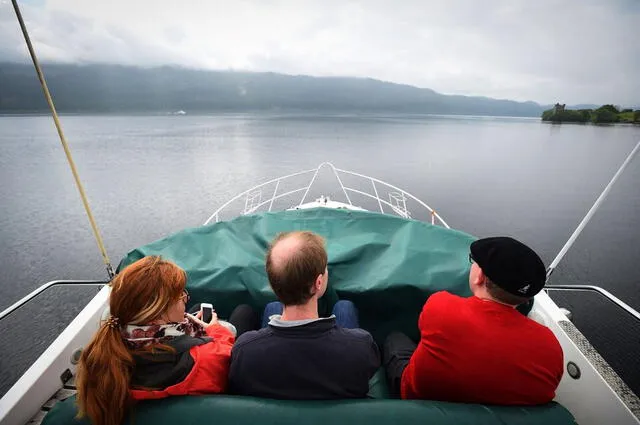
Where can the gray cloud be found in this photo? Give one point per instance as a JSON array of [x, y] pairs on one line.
[[571, 51]]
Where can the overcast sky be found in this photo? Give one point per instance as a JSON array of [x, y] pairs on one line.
[[573, 51]]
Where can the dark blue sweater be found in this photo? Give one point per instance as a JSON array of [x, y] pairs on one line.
[[315, 361]]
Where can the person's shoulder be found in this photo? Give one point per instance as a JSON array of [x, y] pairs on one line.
[[443, 298], [352, 336], [251, 337], [356, 334], [439, 309], [443, 295], [359, 346]]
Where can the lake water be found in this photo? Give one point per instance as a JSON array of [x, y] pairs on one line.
[[147, 176]]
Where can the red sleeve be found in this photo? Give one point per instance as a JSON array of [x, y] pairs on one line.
[[209, 372], [220, 333], [211, 368], [431, 309]]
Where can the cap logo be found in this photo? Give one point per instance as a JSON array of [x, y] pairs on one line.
[[524, 289]]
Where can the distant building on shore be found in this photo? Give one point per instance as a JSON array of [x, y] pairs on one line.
[[558, 108]]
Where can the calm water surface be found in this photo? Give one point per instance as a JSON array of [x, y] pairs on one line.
[[147, 176]]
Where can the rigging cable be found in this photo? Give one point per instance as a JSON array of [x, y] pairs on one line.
[[63, 140], [591, 212]]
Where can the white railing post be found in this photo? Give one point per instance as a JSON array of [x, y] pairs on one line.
[[310, 184], [377, 196], [335, 172], [404, 202], [246, 202], [273, 198]]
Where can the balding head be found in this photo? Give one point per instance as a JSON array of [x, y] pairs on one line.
[[295, 260]]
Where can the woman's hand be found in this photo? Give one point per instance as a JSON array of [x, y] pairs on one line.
[[198, 319]]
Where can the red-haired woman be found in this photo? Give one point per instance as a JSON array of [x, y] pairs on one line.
[[150, 348]]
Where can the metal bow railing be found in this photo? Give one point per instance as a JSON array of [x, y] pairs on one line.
[[396, 203]]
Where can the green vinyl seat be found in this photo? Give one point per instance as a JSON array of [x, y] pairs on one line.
[[235, 410]]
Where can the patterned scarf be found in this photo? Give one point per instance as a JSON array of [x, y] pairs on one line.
[[140, 336]]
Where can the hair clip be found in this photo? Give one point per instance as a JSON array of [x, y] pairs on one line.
[[113, 322]]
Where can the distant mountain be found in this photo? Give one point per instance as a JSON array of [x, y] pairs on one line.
[[114, 88]]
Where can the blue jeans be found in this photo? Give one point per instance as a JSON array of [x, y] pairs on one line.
[[344, 310]]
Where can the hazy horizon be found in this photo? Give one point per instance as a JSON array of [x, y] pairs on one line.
[[546, 51]]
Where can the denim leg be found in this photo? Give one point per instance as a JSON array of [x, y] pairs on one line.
[[270, 309], [346, 314]]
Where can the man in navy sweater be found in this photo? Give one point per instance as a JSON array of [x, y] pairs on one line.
[[297, 354]]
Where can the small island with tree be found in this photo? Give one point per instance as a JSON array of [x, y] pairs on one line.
[[606, 114]]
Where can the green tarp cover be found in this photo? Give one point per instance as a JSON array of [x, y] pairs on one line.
[[388, 266]]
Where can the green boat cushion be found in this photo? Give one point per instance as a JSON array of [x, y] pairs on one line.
[[378, 387], [388, 266], [223, 410]]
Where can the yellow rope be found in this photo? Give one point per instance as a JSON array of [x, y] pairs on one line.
[[63, 140]]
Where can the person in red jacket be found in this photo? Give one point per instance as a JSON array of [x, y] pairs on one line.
[[150, 348], [481, 349]]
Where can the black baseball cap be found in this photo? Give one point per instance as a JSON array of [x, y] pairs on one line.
[[510, 264]]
